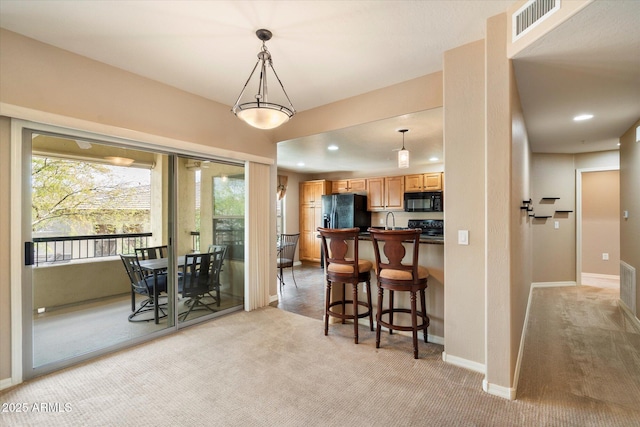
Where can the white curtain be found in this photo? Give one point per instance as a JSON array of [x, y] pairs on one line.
[[260, 211]]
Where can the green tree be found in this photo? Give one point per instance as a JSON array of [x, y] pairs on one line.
[[74, 193]]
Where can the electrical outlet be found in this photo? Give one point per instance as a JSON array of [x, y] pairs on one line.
[[605, 256]]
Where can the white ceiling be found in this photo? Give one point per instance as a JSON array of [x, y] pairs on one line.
[[325, 51]]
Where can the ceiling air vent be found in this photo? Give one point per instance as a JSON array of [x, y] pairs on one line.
[[531, 14]]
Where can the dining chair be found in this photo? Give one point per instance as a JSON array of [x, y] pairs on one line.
[[219, 253], [153, 252], [195, 282], [395, 276], [286, 253], [340, 268], [142, 285]]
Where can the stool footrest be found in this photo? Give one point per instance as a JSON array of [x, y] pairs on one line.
[[425, 320], [348, 316]]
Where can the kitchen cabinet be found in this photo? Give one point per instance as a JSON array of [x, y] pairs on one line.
[[385, 193], [311, 193], [423, 182], [349, 186]]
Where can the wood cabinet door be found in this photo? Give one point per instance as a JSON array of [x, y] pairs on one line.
[[357, 186], [432, 181], [341, 186], [413, 183], [394, 192], [306, 193], [375, 194]]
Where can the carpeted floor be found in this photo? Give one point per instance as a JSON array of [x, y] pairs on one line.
[[275, 368]]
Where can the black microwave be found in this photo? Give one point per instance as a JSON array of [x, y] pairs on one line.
[[428, 201]]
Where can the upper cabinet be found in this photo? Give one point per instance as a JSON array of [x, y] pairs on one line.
[[385, 193], [349, 186], [423, 182]]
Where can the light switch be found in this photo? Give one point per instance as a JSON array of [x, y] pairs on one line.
[[556, 224], [463, 237]]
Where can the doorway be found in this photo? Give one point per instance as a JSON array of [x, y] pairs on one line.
[[599, 228]]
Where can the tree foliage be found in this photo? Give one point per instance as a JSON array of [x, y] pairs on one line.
[[74, 192]]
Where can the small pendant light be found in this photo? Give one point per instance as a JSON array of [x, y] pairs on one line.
[[403, 154]]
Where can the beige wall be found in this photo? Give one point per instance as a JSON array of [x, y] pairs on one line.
[[5, 271], [508, 262], [422, 93], [554, 250], [45, 78], [464, 136], [601, 222], [41, 78], [521, 230], [630, 201], [59, 285], [554, 175]]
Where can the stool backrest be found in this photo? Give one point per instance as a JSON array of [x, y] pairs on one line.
[[335, 245], [390, 244]]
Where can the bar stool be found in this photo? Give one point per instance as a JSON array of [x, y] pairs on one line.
[[394, 276], [340, 269]]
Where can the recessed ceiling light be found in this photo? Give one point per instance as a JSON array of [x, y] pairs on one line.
[[433, 159], [582, 117], [618, 144], [301, 164], [332, 147]]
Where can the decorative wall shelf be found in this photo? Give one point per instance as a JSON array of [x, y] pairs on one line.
[[541, 217], [551, 198], [564, 211]]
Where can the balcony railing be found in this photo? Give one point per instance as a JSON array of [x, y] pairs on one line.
[[67, 248]]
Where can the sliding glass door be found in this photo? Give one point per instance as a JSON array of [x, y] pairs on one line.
[[210, 218], [117, 241]]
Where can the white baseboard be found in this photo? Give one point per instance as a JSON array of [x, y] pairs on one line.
[[498, 390], [6, 383], [551, 284], [464, 363], [273, 298], [602, 276]]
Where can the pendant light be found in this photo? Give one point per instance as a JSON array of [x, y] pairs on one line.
[[403, 154], [260, 113]]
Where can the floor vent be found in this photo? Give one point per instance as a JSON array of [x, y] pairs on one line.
[[628, 286], [531, 14]]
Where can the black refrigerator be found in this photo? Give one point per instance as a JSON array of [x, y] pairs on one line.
[[345, 211]]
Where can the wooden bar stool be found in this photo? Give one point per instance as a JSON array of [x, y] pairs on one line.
[[394, 276], [340, 269]]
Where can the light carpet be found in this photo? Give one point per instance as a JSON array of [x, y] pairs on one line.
[[273, 368]]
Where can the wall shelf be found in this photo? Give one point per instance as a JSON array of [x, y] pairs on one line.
[[564, 211], [551, 198], [541, 217]]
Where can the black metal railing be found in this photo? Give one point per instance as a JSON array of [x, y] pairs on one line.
[[195, 241], [67, 248]]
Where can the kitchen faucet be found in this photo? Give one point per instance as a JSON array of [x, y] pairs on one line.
[[386, 221]]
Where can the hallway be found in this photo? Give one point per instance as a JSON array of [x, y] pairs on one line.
[[580, 349]]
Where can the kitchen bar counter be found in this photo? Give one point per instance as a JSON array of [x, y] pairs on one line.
[[365, 235], [432, 257]]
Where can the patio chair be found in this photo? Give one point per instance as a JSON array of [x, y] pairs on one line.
[[153, 252], [194, 283], [219, 254], [142, 285]]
